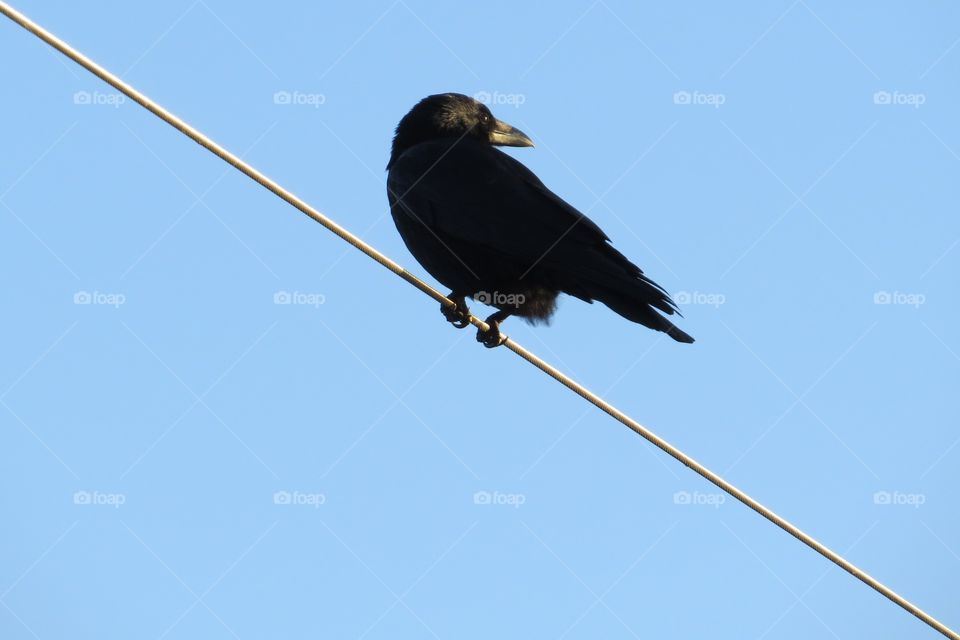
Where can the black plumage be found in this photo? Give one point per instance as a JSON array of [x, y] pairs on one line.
[[486, 227]]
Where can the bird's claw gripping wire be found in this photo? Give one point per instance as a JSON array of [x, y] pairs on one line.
[[492, 337], [458, 315]]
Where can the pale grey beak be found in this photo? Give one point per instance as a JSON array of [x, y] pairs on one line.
[[505, 135]]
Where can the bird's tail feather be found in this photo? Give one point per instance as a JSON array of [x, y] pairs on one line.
[[635, 301], [608, 276]]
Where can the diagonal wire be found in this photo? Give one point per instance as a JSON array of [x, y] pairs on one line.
[[530, 357]]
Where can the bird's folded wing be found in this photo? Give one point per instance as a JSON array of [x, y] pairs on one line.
[[478, 194]]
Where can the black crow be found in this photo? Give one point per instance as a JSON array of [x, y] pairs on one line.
[[486, 227]]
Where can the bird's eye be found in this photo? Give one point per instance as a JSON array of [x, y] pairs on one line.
[[485, 118]]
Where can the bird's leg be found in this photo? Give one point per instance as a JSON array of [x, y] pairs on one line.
[[459, 315], [492, 337]]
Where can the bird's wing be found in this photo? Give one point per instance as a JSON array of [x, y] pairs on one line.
[[477, 194]]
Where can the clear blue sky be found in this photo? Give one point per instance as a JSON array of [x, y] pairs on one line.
[[184, 458]]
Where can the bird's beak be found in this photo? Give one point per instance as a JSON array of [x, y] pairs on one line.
[[506, 135]]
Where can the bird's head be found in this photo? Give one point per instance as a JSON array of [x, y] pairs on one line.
[[456, 116]]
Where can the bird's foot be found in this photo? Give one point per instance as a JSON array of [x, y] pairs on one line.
[[491, 337], [458, 315]]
